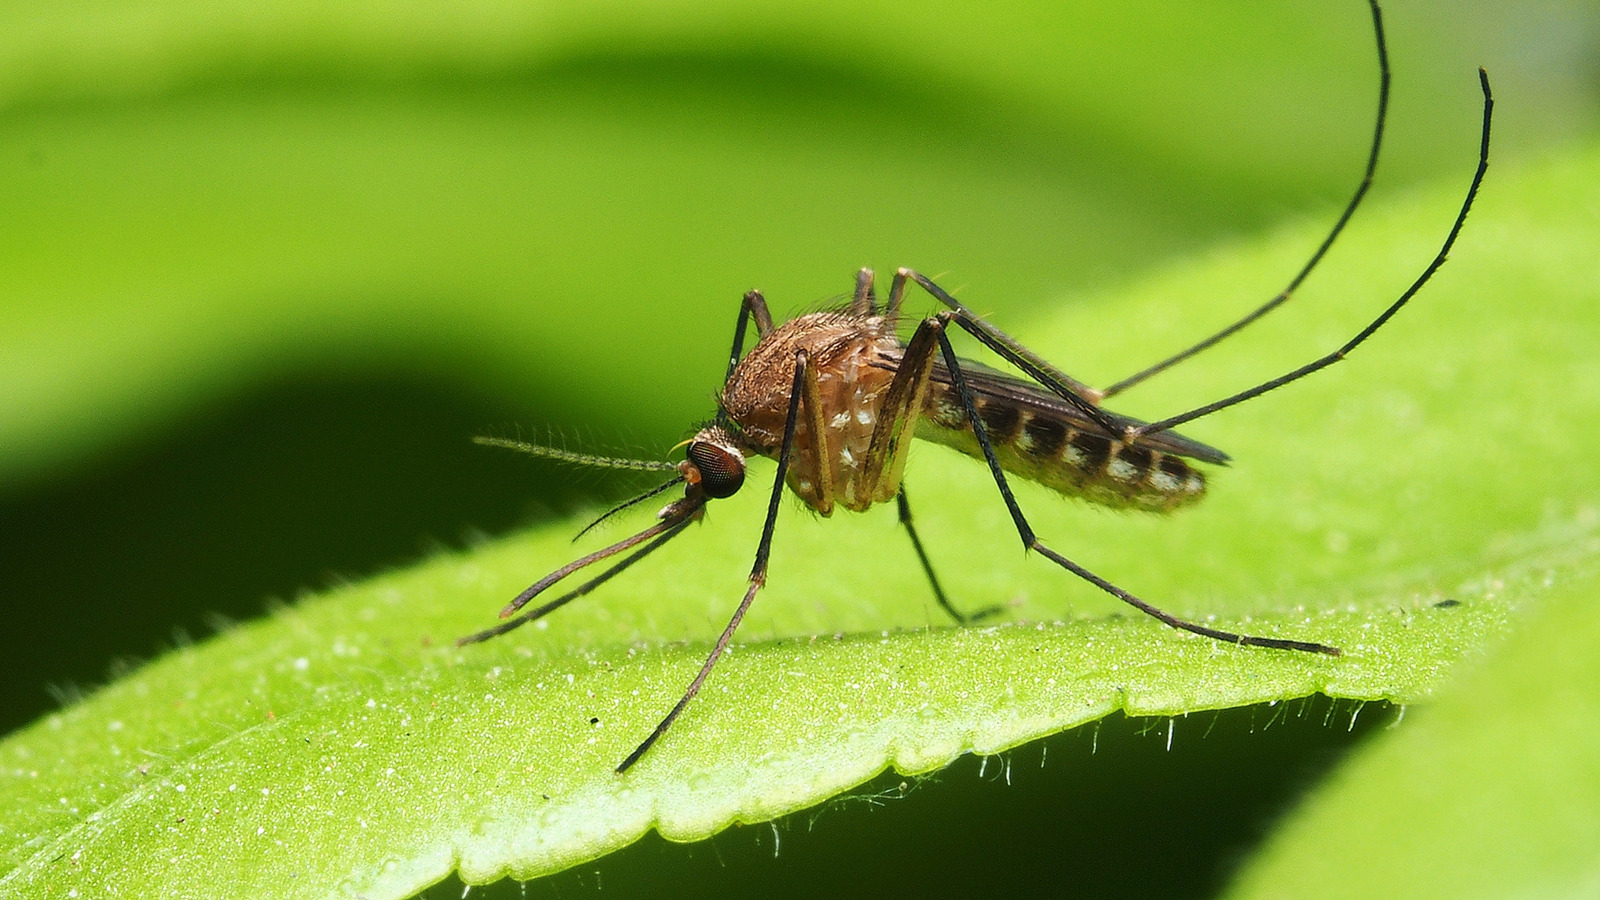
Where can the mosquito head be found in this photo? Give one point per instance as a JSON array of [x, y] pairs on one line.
[[714, 464]]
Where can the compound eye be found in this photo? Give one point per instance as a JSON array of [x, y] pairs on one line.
[[721, 470]]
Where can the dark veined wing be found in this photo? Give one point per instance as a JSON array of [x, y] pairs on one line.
[[984, 381]]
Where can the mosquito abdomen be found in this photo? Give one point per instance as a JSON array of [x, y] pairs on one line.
[[1062, 455]]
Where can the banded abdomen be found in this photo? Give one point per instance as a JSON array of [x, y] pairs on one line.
[[1040, 437]]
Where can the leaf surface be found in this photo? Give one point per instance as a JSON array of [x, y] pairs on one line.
[[344, 746]]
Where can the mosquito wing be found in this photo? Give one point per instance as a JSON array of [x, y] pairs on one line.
[[1029, 399]]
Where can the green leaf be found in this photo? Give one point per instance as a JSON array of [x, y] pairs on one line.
[[1491, 792], [197, 200], [344, 746]]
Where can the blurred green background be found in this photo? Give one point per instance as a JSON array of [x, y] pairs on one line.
[[266, 269]]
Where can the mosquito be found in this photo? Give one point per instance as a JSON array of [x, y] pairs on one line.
[[836, 398]]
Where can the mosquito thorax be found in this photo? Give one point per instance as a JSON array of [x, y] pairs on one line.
[[714, 464]]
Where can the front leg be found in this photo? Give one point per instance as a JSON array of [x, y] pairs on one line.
[[758, 572]]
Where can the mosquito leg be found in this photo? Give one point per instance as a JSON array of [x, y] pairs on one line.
[[885, 462], [927, 568], [1032, 542], [816, 442], [883, 467], [1075, 392], [897, 293], [865, 300], [758, 572], [1133, 433], [753, 306], [1338, 227]]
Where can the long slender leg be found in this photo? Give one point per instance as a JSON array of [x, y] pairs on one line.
[[884, 465], [927, 568], [865, 301], [758, 572], [753, 306], [1338, 227], [1075, 392], [897, 294], [1032, 542], [817, 435], [1084, 399], [885, 462], [1134, 433]]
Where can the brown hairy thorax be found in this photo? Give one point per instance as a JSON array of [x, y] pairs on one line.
[[853, 357]]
